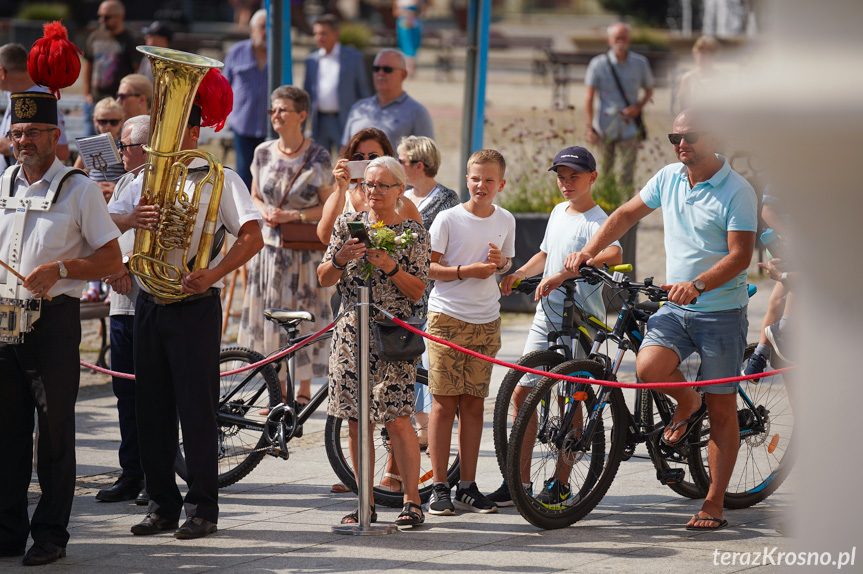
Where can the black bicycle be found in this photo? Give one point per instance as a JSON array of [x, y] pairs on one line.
[[577, 433], [254, 421]]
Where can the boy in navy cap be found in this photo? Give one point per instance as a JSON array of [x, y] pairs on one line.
[[570, 226]]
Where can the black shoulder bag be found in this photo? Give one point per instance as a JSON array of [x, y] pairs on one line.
[[639, 121]]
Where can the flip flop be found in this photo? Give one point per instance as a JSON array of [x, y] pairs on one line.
[[340, 488], [690, 422], [720, 523], [302, 401]]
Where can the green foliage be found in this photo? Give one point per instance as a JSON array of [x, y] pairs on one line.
[[607, 193], [649, 38], [529, 145], [47, 12], [354, 34], [649, 12]]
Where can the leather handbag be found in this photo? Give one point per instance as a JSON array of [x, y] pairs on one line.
[[297, 234], [394, 343]]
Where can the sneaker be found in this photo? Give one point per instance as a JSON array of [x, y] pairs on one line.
[[756, 364], [440, 502], [776, 334], [556, 496], [501, 496], [473, 500]]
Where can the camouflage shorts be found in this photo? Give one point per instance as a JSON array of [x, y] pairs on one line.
[[452, 372]]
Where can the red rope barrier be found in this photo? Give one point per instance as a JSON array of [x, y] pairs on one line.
[[275, 357], [583, 380]]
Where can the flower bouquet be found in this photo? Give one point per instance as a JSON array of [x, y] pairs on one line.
[[386, 239]]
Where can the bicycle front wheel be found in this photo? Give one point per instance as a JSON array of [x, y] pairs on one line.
[[509, 397], [336, 438], [244, 402], [766, 454], [567, 445]]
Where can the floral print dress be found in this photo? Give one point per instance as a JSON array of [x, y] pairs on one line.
[[287, 278], [392, 383]]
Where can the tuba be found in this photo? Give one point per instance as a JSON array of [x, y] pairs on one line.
[[176, 77]]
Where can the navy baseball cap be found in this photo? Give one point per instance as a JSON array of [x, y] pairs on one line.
[[158, 28], [575, 157]]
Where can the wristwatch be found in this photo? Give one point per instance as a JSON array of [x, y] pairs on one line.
[[126, 262], [63, 271], [699, 286]]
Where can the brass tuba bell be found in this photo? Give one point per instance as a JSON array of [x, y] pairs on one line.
[[176, 77]]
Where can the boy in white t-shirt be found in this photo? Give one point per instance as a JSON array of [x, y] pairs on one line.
[[570, 226], [470, 243]]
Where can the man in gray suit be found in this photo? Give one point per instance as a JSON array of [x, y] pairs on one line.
[[335, 79]]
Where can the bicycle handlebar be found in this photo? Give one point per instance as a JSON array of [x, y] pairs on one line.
[[594, 275]]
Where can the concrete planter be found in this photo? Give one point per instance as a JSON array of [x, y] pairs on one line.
[[529, 230]]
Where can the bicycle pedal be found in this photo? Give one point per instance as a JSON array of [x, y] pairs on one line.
[[671, 475], [278, 453]]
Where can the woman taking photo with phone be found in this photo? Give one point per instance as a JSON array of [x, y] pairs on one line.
[[291, 180], [396, 283]]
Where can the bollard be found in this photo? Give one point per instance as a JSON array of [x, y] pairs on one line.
[[363, 474]]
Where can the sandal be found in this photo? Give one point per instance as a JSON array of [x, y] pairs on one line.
[[340, 488], [690, 422], [410, 518], [302, 401], [354, 517], [720, 523], [391, 476]]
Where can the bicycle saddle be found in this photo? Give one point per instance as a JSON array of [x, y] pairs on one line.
[[284, 317]]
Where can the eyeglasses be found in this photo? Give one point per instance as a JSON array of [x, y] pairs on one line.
[[276, 111], [112, 122], [689, 137], [384, 69], [379, 187], [121, 97], [361, 157], [121, 147], [33, 134]]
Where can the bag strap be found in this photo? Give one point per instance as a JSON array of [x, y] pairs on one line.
[[617, 81], [296, 175]]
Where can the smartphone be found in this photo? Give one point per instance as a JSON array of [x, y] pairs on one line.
[[358, 230], [357, 169]]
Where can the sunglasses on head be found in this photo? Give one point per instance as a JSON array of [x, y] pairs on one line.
[[361, 157], [114, 122], [384, 69], [689, 137]]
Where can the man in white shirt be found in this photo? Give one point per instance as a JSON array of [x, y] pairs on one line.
[[335, 79]]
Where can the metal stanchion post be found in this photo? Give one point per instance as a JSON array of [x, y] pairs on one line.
[[363, 474]]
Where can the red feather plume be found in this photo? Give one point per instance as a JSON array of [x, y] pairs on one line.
[[53, 61], [216, 99]]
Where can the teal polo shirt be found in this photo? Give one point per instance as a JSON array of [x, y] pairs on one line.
[[697, 221]]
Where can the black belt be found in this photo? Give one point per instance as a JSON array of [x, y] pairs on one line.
[[328, 113], [211, 292], [56, 300]]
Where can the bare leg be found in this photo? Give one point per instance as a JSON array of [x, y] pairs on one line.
[[469, 434], [353, 444], [406, 451], [721, 454], [440, 434], [659, 365]]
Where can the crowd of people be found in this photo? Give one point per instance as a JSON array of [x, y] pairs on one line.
[[294, 213]]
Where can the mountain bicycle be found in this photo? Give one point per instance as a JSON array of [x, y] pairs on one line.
[[573, 328], [254, 421], [579, 433]]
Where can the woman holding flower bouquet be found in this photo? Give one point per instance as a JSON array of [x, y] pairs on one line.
[[397, 276]]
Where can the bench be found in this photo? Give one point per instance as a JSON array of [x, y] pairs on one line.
[[496, 41], [98, 310]]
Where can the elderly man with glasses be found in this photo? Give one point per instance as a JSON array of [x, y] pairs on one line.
[[710, 216], [109, 56], [56, 233], [391, 109]]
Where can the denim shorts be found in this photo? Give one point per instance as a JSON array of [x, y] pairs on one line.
[[718, 336]]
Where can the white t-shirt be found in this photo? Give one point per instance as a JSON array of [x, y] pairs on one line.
[[235, 209], [567, 233], [463, 239]]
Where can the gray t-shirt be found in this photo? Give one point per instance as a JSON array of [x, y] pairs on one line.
[[634, 74], [402, 117]]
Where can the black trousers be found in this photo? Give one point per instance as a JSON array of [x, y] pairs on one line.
[[124, 389], [42, 375], [177, 373]]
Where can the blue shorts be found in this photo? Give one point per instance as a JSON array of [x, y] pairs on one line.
[[718, 336]]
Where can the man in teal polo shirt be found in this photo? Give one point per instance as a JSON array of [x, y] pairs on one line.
[[710, 218]]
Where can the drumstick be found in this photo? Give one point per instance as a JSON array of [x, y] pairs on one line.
[[18, 275]]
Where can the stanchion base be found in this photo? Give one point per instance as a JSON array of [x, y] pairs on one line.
[[370, 530]]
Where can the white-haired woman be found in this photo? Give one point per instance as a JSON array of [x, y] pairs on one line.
[[397, 282]]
